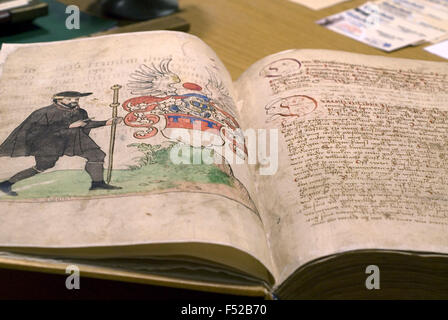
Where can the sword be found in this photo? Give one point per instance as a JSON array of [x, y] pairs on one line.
[[113, 129]]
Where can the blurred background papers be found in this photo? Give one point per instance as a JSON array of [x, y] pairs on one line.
[[8, 4], [317, 4], [52, 27]]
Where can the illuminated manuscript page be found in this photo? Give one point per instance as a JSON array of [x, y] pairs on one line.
[[168, 79], [363, 147]]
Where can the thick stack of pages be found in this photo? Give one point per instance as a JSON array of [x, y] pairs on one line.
[[136, 158]]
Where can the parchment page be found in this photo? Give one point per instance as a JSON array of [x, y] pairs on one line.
[[171, 87], [362, 153]]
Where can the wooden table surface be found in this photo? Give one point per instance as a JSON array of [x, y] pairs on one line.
[[244, 31]]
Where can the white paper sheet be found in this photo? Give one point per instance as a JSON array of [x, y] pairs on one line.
[[391, 24], [371, 26]]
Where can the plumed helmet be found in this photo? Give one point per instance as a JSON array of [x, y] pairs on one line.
[[70, 94]]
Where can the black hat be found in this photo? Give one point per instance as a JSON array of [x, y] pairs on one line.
[[70, 94]]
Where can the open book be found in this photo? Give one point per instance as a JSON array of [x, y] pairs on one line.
[[136, 158]]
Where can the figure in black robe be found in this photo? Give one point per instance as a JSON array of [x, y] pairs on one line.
[[51, 132]]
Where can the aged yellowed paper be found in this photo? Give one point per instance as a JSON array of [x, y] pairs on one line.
[[362, 153]]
